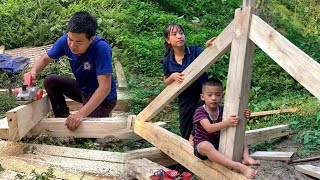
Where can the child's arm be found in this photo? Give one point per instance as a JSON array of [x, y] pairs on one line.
[[247, 113], [179, 77], [211, 128]]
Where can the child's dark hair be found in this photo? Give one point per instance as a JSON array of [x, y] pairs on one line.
[[166, 33], [212, 82], [83, 22]]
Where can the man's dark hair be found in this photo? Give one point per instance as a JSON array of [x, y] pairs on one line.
[[83, 22], [212, 82]]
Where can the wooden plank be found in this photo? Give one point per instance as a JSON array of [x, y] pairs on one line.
[[82, 161], [181, 151], [22, 118], [153, 154], [90, 128], [265, 113], [144, 168], [272, 155], [121, 79], [248, 3], [18, 165], [2, 48], [305, 159], [308, 169], [238, 85], [204, 61], [263, 134], [297, 63], [4, 128]]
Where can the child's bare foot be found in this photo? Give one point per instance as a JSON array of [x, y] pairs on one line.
[[248, 172], [249, 161]]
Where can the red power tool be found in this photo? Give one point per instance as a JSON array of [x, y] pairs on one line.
[[28, 92]]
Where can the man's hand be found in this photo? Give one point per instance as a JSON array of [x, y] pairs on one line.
[[33, 76], [179, 77], [73, 121]]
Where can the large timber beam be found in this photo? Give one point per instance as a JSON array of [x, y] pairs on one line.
[[297, 63], [204, 61], [89, 128], [238, 85], [181, 151], [22, 118]]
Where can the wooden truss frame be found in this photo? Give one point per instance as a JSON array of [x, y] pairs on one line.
[[241, 36]]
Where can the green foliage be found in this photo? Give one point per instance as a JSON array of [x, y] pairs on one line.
[[47, 175], [1, 168], [6, 103]]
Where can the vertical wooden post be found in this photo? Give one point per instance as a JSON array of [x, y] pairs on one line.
[[248, 3], [238, 85]]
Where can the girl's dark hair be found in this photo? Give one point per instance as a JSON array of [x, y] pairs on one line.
[[166, 33], [83, 22]]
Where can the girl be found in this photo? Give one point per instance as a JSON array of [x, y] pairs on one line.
[[178, 57]]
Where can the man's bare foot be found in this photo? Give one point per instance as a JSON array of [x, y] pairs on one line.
[[249, 161], [248, 172]]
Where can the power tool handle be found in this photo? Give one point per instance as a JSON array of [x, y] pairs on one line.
[[28, 79]]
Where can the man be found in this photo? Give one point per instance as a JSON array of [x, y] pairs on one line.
[[90, 58]]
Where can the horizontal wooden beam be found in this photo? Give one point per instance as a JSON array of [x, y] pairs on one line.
[[22, 118], [272, 155], [297, 63], [90, 128], [203, 62], [308, 169], [181, 151], [265, 113], [263, 134], [111, 128], [24, 166]]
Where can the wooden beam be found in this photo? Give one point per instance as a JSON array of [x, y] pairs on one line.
[[153, 154], [23, 166], [265, 113], [297, 63], [91, 127], [305, 159], [22, 118], [181, 151], [263, 134], [144, 168], [272, 155], [248, 3], [308, 169], [81, 161], [204, 61], [238, 85], [2, 48], [121, 79], [4, 128]]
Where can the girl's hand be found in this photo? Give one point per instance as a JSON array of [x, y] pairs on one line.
[[247, 113], [209, 42], [233, 121], [179, 77]]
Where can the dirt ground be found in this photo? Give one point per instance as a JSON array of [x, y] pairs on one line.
[[277, 170]]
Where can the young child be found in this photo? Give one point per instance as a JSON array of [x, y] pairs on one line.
[[208, 123], [178, 57]]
